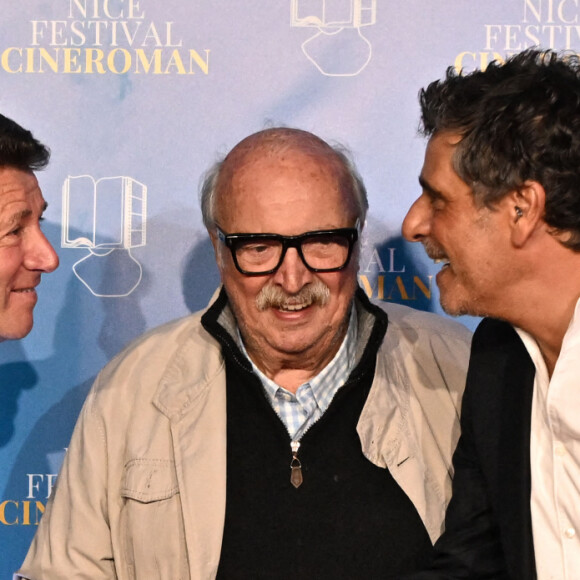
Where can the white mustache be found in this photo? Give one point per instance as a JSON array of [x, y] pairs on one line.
[[274, 297]]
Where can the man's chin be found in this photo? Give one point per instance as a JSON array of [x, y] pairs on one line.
[[453, 308], [16, 332], [451, 311], [14, 335]]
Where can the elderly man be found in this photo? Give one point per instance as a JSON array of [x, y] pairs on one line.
[[25, 253], [501, 209], [292, 430]]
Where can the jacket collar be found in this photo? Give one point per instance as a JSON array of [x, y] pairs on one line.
[[195, 365]]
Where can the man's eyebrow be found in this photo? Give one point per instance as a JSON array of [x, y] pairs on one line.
[[429, 189], [25, 213], [19, 216]]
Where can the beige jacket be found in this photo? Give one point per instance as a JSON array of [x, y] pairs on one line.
[[141, 494]]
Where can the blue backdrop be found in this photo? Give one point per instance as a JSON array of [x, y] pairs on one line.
[[136, 98]]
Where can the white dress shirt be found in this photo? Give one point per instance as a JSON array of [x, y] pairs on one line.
[[555, 458]]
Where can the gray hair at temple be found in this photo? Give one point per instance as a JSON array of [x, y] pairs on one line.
[[277, 140]]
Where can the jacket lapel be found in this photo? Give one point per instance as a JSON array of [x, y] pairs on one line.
[[192, 395], [514, 475]]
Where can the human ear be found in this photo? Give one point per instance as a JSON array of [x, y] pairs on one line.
[[216, 248], [526, 207]]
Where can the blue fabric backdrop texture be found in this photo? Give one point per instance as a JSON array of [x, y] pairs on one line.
[[136, 98]]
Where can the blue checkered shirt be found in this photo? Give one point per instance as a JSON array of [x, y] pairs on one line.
[[301, 410]]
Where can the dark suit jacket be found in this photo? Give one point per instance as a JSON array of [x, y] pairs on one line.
[[488, 522]]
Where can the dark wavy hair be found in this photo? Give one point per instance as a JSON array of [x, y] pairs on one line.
[[519, 121], [19, 149]]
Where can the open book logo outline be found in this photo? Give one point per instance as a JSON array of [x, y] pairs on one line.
[[339, 47], [108, 217]]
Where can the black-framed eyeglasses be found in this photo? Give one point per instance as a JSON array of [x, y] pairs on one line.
[[320, 251]]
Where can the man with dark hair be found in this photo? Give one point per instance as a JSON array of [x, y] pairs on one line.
[[500, 207], [292, 430], [25, 253]]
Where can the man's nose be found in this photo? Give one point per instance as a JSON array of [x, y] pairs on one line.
[[39, 254], [417, 222], [292, 275]]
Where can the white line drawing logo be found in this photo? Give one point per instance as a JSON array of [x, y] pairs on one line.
[[108, 217], [338, 49]]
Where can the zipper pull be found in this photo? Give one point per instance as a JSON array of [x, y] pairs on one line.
[[295, 465]]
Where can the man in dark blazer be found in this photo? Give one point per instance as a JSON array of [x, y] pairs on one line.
[[500, 208]]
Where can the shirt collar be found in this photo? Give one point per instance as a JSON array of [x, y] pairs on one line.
[[570, 338]]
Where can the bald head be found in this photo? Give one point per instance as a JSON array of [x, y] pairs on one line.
[[275, 144]]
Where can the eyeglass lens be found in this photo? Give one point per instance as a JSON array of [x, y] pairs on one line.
[[326, 251]]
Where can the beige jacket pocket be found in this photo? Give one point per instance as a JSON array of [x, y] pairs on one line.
[[152, 531]]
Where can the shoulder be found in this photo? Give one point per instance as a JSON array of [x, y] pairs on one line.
[[156, 376], [165, 354], [164, 339], [430, 350], [417, 324]]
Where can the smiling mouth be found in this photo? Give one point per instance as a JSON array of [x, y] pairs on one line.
[[443, 261], [289, 307], [30, 290]]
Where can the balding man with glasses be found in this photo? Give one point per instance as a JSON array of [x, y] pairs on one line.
[[293, 429]]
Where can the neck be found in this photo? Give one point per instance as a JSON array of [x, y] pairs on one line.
[[547, 319], [541, 294], [551, 335], [290, 370]]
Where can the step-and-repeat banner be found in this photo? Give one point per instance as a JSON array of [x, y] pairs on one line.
[[136, 98]]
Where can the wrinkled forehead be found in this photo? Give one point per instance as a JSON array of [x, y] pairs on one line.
[[19, 187]]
